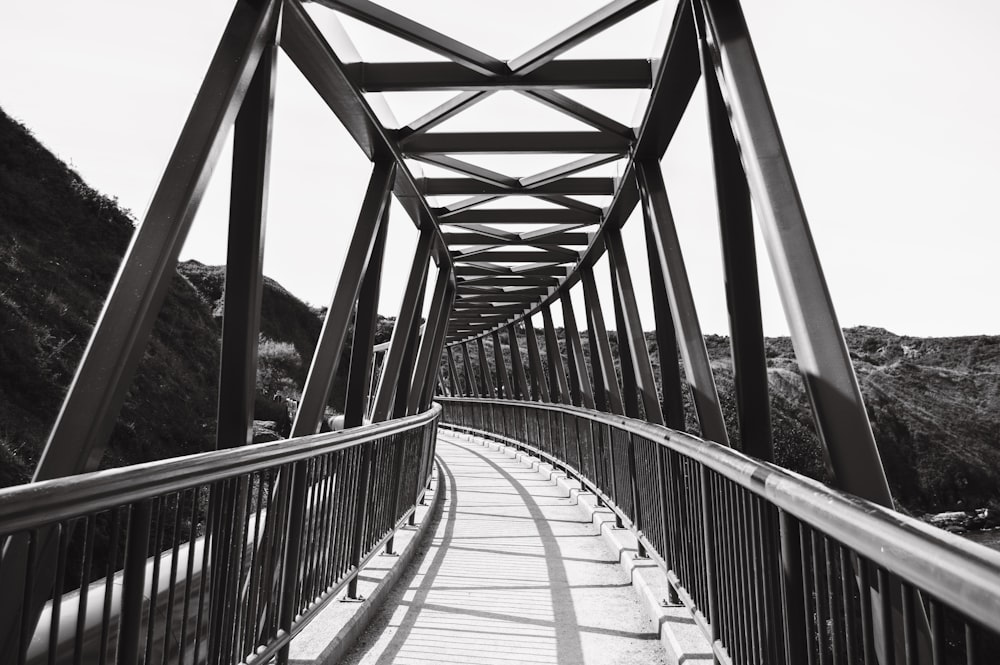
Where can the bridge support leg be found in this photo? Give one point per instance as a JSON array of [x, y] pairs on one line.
[[558, 389], [582, 392], [406, 322], [484, 370], [240, 333], [739, 260], [470, 376], [453, 378], [660, 223], [517, 364], [503, 379], [602, 360], [638, 352], [539, 388]]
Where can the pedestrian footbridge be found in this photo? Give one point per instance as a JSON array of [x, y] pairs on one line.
[[549, 504]]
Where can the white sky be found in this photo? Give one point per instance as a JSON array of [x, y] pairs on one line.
[[888, 110]]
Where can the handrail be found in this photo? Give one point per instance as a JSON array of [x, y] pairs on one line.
[[33, 505], [152, 557], [829, 528]]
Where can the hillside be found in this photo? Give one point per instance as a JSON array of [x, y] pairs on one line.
[[61, 244]]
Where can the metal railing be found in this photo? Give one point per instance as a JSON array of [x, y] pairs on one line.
[[776, 568], [208, 538]]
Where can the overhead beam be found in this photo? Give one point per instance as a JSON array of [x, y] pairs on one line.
[[559, 238], [582, 186], [515, 142], [523, 216], [545, 256], [562, 74], [553, 270]]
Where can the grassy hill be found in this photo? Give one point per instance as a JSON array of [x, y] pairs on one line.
[[61, 244]]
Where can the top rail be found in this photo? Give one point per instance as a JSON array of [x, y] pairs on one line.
[[33, 505]]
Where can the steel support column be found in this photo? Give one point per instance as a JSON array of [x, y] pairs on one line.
[[470, 376], [824, 361], [666, 340], [603, 361], [633, 327], [484, 370], [698, 369], [503, 380], [583, 394], [424, 359], [630, 390], [440, 333], [539, 387], [453, 378], [739, 260], [557, 375], [240, 335], [517, 363], [331, 340], [409, 316], [365, 325]]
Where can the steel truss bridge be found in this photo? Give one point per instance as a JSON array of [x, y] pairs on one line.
[[224, 556]]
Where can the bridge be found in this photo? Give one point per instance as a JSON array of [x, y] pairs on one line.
[[232, 555]]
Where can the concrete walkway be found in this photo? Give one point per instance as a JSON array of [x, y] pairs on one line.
[[515, 573]]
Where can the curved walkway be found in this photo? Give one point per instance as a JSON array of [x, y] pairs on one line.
[[515, 573]]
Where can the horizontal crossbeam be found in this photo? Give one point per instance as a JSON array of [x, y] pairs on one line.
[[407, 76], [472, 238], [515, 142], [565, 186], [521, 216]]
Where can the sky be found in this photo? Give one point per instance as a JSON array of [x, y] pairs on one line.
[[888, 111]]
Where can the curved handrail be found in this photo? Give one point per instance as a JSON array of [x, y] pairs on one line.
[[944, 567]]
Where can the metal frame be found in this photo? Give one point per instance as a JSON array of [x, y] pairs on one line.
[[493, 275]]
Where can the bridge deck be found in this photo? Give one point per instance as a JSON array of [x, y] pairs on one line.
[[514, 573]]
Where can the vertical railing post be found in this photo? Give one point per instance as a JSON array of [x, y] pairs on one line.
[[708, 523], [793, 611], [557, 375], [134, 582]]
